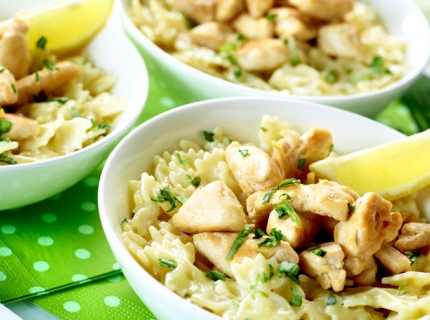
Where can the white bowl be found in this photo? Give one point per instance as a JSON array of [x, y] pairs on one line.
[[239, 118], [186, 84], [111, 51]]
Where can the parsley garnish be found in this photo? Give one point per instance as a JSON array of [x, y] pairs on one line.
[[13, 88], [290, 270], [194, 181], [258, 233], [124, 221], [271, 271], [272, 241], [168, 263], [332, 76], [330, 150], [60, 100], [243, 152], [5, 126], [351, 208], [37, 75], [215, 275], [2, 69], [349, 71], [238, 74], [401, 290], [267, 196], [272, 16], [50, 65], [285, 41], [181, 161], [296, 298], [74, 112], [227, 47], [295, 60], [313, 248], [301, 163], [104, 125], [263, 129], [209, 136], [182, 199], [413, 256], [41, 43], [7, 159], [285, 209], [238, 242], [331, 299], [166, 195], [319, 252]]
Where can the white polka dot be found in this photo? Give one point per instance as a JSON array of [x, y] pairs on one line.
[[16, 184], [5, 251], [112, 301], [72, 306], [41, 266], [79, 277], [115, 278], [45, 241], [82, 254], [8, 229], [36, 289], [86, 229], [116, 266], [167, 102], [91, 182], [49, 217], [88, 206], [3, 276]]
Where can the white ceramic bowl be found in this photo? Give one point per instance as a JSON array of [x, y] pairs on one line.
[[111, 51], [401, 17], [240, 118]]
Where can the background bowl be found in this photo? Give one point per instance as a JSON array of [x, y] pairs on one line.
[[402, 18], [111, 51], [240, 118]]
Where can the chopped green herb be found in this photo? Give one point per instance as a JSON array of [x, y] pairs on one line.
[[290, 270], [194, 181], [264, 277], [13, 88], [238, 242], [273, 239], [285, 209], [41, 43], [229, 139], [235, 302], [37, 75], [331, 299], [191, 24], [413, 256], [50, 65], [272, 16], [349, 71], [319, 252], [7, 159], [182, 199], [330, 150], [227, 47], [209, 136], [240, 38], [271, 271], [4, 139], [295, 60], [313, 248], [286, 195], [243, 152], [124, 221], [166, 195], [60, 100], [232, 60], [332, 76], [2, 69], [5, 126], [104, 125], [263, 129], [181, 161], [351, 208], [285, 41], [267, 196], [215, 275], [401, 290], [74, 112], [258, 233], [301, 163], [238, 74], [296, 298], [168, 263]]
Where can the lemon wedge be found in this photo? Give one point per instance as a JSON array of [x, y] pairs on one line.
[[66, 24], [393, 170]]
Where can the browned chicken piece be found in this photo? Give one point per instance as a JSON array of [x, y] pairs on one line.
[[14, 52], [408, 216], [46, 81], [340, 40], [228, 9], [327, 267], [294, 153], [8, 91], [212, 34], [413, 236], [392, 261], [368, 276], [322, 199], [290, 22], [216, 245], [362, 234], [253, 168], [252, 28], [324, 9], [328, 224], [199, 11], [296, 236], [261, 54], [259, 8], [211, 208], [22, 127], [346, 189]]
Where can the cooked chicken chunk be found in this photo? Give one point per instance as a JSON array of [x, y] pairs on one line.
[[216, 245], [324, 198], [46, 80], [252, 28], [253, 168], [261, 54], [296, 236], [198, 11], [392, 260], [413, 236], [324, 9], [368, 276], [362, 234], [290, 22], [14, 52], [340, 40], [22, 127], [228, 9], [408, 216], [294, 153], [258, 8], [328, 224], [327, 267], [212, 34], [8, 91], [211, 208]]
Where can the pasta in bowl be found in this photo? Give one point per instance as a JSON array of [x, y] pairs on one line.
[[187, 229]]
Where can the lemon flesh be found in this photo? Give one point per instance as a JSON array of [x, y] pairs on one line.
[[67, 25], [393, 170]]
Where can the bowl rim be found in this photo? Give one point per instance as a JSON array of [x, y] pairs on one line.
[[404, 81], [117, 133]]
